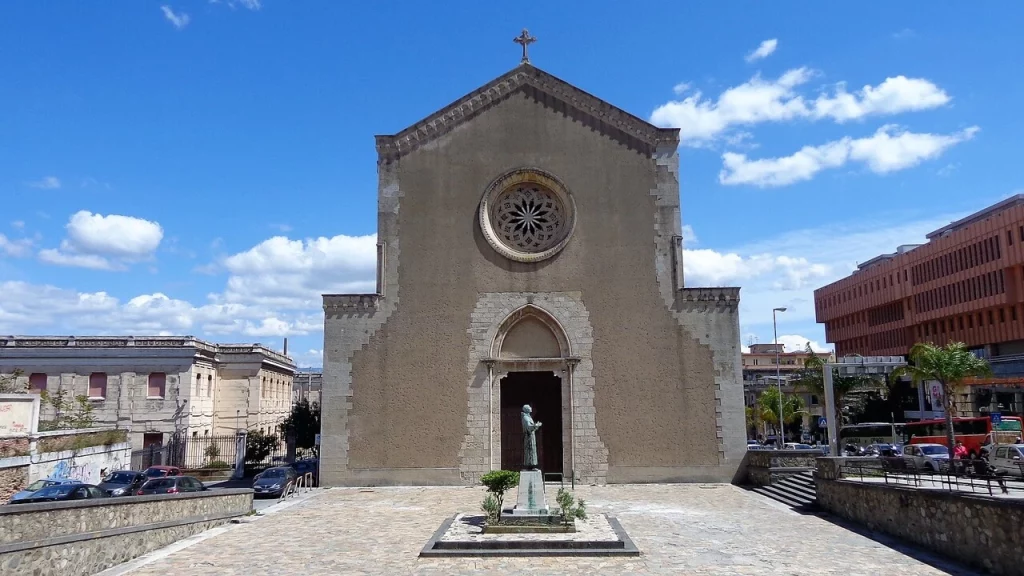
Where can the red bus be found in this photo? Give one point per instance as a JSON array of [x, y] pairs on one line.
[[973, 432]]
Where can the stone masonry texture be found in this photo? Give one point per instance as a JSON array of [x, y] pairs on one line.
[[30, 534], [660, 382], [680, 529], [978, 530]]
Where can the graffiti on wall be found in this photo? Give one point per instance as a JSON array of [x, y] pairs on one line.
[[89, 468]]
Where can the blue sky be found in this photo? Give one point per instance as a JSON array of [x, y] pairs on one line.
[[208, 168]]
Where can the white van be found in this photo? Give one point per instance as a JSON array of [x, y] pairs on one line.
[[1006, 457]]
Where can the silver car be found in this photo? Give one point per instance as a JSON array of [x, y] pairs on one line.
[[931, 457], [1007, 458]]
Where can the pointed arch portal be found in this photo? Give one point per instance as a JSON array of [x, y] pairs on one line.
[[531, 362]]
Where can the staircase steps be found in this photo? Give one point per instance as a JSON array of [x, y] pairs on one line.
[[796, 491]]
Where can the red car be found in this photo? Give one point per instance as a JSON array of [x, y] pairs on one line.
[[161, 471]]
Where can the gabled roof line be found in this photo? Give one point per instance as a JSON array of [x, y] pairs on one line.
[[547, 89]]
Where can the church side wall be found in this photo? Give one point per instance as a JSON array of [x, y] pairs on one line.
[[399, 394]]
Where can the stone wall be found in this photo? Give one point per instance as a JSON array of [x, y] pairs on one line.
[[765, 467], [86, 537], [979, 530]]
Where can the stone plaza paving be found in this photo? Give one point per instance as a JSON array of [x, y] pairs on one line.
[[680, 529]]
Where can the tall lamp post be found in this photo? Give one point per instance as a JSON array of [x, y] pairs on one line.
[[778, 376]]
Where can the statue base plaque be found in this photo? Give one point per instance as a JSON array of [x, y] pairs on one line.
[[531, 500]]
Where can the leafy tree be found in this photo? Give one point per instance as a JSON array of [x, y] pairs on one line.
[[70, 412], [9, 384], [259, 445], [498, 482], [812, 380], [768, 407], [753, 420], [948, 366], [304, 423]]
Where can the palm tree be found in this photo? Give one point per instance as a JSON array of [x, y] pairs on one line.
[[812, 380], [753, 419], [948, 366], [768, 408]]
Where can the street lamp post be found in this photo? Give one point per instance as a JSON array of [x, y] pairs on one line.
[[778, 376]]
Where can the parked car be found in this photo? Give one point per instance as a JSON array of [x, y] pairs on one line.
[[310, 466], [162, 471], [39, 485], [122, 482], [274, 481], [170, 485], [933, 457], [64, 492], [797, 446], [1006, 458]]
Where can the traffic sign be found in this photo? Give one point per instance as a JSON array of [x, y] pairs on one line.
[[317, 440], [822, 422], [997, 418]]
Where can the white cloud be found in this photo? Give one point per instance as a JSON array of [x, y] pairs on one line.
[[250, 4], [178, 20], [689, 236], [702, 120], [105, 242], [764, 50], [887, 150], [784, 270], [15, 248], [18, 224], [797, 343], [46, 183], [295, 273], [681, 88], [113, 235], [91, 261]]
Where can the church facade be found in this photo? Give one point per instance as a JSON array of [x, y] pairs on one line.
[[530, 252]]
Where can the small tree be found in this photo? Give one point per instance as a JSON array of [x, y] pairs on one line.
[[211, 452], [259, 445], [304, 423], [569, 508], [768, 407], [753, 416], [69, 411], [498, 482], [948, 366], [9, 384]]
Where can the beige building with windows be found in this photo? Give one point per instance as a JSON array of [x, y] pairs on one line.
[[530, 253], [157, 386], [761, 371]]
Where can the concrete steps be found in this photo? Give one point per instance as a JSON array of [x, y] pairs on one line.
[[796, 491]]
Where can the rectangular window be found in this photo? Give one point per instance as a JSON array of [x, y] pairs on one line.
[[157, 385], [1002, 316], [36, 383], [1013, 313], [1009, 238], [970, 320], [960, 322], [97, 385], [991, 317]]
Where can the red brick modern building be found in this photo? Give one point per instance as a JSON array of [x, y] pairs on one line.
[[965, 284]]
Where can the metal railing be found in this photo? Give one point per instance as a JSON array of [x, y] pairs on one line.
[[966, 476], [304, 481]]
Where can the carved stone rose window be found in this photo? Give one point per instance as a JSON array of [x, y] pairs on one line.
[[527, 215]]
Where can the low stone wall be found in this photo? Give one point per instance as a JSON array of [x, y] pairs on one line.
[[767, 466], [88, 536], [983, 531]]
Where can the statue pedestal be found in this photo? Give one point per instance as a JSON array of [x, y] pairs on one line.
[[531, 500]]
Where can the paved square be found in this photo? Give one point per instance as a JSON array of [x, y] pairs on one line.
[[680, 529]]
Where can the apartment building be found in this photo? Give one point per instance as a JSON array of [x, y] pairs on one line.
[[760, 370], [156, 386], [965, 284]]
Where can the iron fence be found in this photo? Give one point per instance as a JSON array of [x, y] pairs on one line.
[[965, 476], [188, 452]]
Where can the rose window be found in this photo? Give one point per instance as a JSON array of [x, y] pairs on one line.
[[527, 215], [528, 218]]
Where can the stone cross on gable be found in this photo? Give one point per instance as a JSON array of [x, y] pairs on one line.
[[524, 40]]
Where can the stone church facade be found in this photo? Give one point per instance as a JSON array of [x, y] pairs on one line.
[[530, 253]]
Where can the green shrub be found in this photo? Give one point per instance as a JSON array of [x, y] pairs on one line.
[[569, 507], [491, 508], [498, 482], [218, 465]]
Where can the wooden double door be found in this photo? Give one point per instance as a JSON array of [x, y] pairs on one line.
[[543, 392]]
